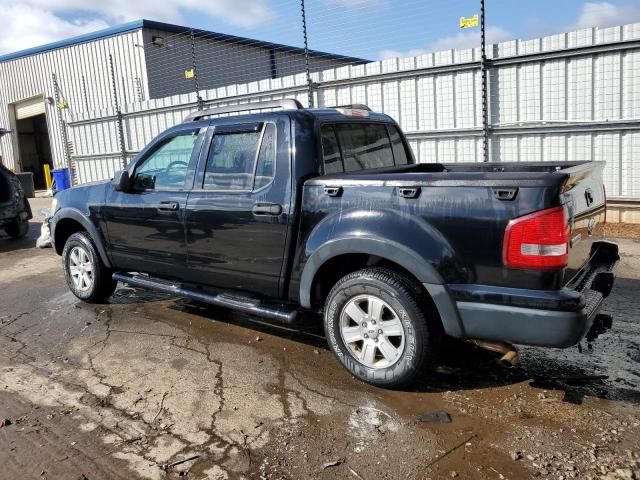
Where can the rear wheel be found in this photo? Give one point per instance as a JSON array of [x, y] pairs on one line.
[[376, 324], [87, 276], [17, 228]]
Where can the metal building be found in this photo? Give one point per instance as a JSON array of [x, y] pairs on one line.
[[41, 88]]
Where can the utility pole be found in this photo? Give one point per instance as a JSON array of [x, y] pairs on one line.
[[194, 68], [119, 116], [62, 124], [485, 92], [306, 52]]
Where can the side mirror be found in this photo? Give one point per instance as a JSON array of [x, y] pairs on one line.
[[121, 181]]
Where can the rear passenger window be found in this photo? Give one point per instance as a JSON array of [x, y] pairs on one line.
[[231, 163], [399, 151], [330, 151]]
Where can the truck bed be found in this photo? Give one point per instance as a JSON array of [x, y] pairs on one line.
[[533, 173], [468, 206]]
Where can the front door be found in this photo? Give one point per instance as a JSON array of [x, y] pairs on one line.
[[238, 211], [146, 224]]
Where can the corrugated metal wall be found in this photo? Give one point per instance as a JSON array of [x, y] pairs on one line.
[[572, 96], [83, 76]]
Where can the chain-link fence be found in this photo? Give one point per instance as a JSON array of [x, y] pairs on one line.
[[568, 96]]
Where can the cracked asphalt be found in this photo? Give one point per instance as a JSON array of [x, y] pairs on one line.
[[150, 386]]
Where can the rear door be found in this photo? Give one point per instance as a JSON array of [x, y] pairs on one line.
[[238, 213], [146, 225]]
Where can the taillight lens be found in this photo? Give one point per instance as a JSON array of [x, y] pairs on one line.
[[539, 240]]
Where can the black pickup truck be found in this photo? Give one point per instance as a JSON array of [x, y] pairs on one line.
[[283, 210]]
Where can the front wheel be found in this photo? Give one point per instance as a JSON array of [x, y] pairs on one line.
[[87, 276], [377, 325]]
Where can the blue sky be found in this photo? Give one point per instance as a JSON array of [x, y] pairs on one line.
[[366, 28]]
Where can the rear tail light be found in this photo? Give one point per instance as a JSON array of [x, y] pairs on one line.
[[539, 240]]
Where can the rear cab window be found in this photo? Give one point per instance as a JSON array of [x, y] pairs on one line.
[[350, 147]]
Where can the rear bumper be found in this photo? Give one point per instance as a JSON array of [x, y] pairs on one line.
[[532, 317]]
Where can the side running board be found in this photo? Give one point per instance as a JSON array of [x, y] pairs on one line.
[[280, 313]]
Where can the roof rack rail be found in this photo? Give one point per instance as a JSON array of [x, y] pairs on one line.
[[285, 104], [355, 106]]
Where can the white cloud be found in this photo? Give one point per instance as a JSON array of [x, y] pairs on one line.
[[605, 14], [24, 26], [28, 23], [462, 40]]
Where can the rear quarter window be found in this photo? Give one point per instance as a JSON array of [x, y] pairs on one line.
[[364, 146], [350, 147]]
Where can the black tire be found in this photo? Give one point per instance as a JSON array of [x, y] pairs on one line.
[[418, 319], [17, 228], [102, 284]]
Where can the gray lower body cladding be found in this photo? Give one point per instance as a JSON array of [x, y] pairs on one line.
[[559, 318]]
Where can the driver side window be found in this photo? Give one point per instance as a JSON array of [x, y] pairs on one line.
[[166, 167]]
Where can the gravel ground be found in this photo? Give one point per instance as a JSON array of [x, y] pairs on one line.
[[149, 386]]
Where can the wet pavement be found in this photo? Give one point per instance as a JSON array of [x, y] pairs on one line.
[[150, 386]]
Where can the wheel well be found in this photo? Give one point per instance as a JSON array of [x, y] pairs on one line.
[[64, 229], [337, 267]]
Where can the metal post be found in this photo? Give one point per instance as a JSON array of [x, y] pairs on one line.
[[62, 124], [195, 71], [485, 93], [306, 52], [119, 119], [84, 93]]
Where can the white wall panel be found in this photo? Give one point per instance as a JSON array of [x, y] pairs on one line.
[[580, 85], [580, 147], [426, 103], [554, 92], [607, 149], [465, 100], [530, 148], [445, 113], [631, 165], [529, 85]]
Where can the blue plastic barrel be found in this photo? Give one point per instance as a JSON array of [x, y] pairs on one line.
[[61, 178]]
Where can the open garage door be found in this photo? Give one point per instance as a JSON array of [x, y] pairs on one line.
[[29, 108], [33, 138]]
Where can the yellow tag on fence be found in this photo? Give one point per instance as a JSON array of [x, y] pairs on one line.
[[190, 73], [469, 22]]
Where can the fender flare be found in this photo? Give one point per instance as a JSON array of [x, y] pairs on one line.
[[389, 250], [78, 216]]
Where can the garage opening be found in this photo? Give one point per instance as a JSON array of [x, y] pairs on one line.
[[33, 139]]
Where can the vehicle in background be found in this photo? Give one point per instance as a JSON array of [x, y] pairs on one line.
[[15, 211], [280, 212]]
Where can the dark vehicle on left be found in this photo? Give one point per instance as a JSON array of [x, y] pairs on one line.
[[15, 211]]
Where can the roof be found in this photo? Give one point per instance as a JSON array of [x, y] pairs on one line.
[[167, 27], [324, 114]]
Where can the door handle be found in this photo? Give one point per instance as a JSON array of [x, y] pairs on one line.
[[333, 191], [168, 206], [267, 209], [409, 192]]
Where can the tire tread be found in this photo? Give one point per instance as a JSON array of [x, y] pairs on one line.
[[411, 294]]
